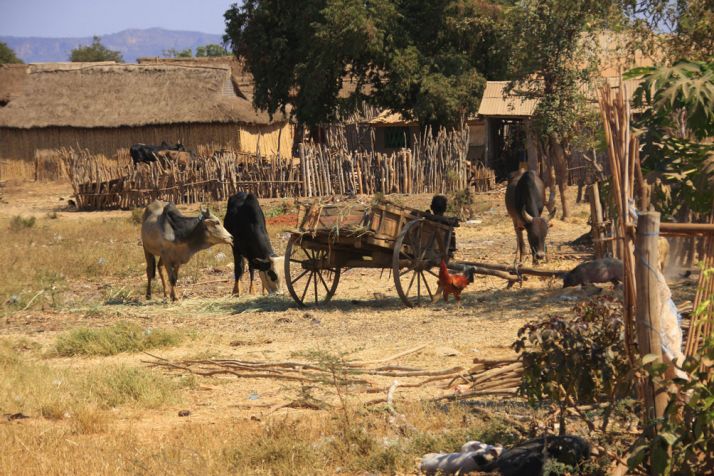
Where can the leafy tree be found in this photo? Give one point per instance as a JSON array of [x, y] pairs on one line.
[[425, 59], [553, 56], [95, 52], [7, 55], [675, 124], [688, 24], [174, 53], [694, 35], [211, 50]]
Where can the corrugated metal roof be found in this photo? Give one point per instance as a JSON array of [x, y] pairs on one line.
[[495, 104]]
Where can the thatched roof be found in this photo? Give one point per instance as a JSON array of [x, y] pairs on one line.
[[114, 95], [12, 81], [242, 80]]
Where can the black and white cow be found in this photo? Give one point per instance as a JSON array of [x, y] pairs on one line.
[[525, 200], [246, 222]]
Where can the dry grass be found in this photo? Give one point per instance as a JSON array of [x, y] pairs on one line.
[[39, 389], [121, 337], [284, 445], [113, 415], [63, 263]]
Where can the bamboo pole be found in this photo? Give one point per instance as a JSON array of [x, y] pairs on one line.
[[648, 312], [596, 219]]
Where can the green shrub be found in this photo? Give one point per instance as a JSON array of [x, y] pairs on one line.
[[460, 203], [684, 443], [121, 337], [18, 223], [578, 359]]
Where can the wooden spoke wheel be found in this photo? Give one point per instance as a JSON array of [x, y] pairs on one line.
[[418, 251], [309, 277]]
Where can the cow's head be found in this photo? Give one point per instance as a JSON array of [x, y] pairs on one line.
[[214, 232], [537, 230], [270, 271]]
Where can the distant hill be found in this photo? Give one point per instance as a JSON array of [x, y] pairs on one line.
[[132, 44]]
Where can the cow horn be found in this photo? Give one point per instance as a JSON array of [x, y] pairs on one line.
[[526, 217]]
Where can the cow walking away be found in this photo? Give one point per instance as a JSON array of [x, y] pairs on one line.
[[525, 199], [174, 238], [245, 221]]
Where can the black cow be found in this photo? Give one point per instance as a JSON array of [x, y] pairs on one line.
[[143, 153], [525, 198], [246, 222]]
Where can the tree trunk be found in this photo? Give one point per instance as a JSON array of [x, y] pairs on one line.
[[547, 173], [561, 169]]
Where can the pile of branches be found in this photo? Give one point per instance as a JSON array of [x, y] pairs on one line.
[[486, 377]]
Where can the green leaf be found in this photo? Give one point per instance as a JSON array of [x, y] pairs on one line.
[[638, 456], [668, 437]]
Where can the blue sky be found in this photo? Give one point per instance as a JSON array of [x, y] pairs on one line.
[[78, 18]]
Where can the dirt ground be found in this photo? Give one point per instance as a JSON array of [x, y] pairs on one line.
[[364, 321]]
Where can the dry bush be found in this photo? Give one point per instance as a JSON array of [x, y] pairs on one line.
[[118, 338]]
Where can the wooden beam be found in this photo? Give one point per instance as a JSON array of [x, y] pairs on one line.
[[687, 228], [512, 270], [485, 271]]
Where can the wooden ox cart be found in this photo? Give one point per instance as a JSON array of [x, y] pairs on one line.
[[332, 238]]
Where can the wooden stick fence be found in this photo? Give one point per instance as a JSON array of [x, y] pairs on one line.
[[436, 163], [98, 185]]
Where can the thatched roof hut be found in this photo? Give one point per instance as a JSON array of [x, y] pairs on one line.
[[106, 106]]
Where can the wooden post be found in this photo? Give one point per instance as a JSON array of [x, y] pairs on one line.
[[649, 308], [303, 169], [596, 220]]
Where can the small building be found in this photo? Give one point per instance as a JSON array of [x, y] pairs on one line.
[[393, 132], [507, 114], [507, 137], [104, 107]]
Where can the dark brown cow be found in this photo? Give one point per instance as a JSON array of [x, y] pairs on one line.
[[525, 198]]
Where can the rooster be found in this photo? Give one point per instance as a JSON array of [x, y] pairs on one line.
[[453, 283]]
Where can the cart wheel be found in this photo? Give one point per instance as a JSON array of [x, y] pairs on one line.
[[306, 275], [415, 263]]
